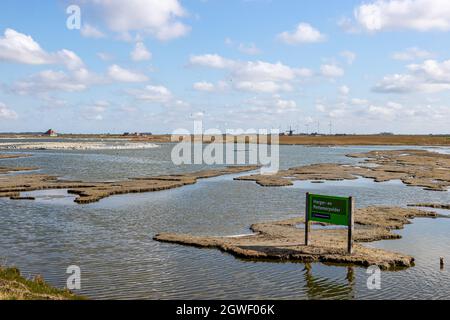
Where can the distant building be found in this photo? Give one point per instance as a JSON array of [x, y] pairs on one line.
[[135, 134], [51, 133]]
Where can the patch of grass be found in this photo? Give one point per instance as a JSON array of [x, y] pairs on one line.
[[13, 286]]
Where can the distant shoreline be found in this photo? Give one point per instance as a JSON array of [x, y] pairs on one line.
[[319, 140]]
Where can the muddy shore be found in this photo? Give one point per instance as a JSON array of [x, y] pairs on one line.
[[284, 240], [87, 192], [13, 286], [419, 168]]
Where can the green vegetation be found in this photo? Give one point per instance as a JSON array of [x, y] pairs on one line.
[[13, 286]]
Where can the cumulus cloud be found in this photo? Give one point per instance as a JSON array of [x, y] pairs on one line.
[[411, 54], [331, 71], [89, 31], [140, 52], [47, 81], [20, 48], [95, 111], [6, 113], [104, 56], [74, 81], [420, 15], [204, 86], [250, 49], [160, 19], [254, 76], [349, 56], [304, 33], [150, 93], [120, 74], [344, 90], [211, 61], [275, 105], [431, 76]]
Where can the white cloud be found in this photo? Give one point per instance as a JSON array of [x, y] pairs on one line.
[[344, 90], [69, 59], [95, 111], [250, 49], [150, 93], [411, 54], [104, 56], [254, 76], [260, 76], [204, 86], [349, 56], [359, 102], [304, 33], [48, 80], [120, 74], [89, 31], [262, 86], [20, 48], [6, 113], [264, 71], [431, 76], [271, 106], [160, 19], [140, 52], [211, 87], [421, 15], [331, 71], [211, 61]]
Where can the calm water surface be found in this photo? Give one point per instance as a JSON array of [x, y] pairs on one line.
[[112, 240]]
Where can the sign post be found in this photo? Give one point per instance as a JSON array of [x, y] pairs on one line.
[[307, 220], [332, 210], [351, 223]]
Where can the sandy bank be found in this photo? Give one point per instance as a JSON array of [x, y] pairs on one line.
[[284, 240], [12, 186], [13, 156], [419, 168]]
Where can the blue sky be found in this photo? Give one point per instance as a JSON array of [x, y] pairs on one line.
[[155, 66]]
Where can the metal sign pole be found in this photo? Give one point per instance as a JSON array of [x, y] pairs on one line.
[[307, 220], [351, 222]]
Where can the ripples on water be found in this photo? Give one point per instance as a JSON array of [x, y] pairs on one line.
[[112, 240]]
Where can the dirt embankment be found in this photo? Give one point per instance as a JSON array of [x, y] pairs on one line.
[[284, 240], [418, 168], [13, 156], [13, 286], [88, 192]]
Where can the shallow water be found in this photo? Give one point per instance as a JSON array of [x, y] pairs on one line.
[[112, 240]]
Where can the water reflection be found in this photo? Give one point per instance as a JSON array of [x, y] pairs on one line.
[[323, 288]]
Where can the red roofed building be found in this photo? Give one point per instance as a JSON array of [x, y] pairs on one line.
[[51, 133]]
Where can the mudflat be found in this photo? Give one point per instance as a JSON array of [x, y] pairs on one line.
[[284, 240], [87, 192], [420, 168]]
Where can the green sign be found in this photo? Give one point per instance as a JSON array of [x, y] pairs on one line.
[[328, 209]]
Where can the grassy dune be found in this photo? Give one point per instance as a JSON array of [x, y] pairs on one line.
[[13, 286]]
